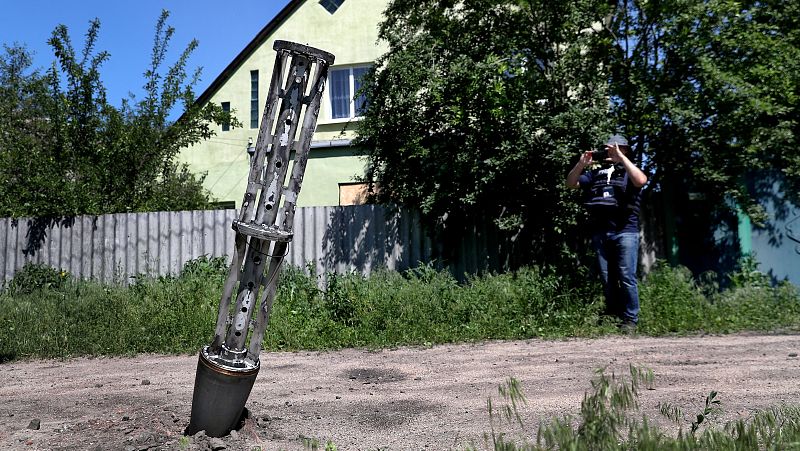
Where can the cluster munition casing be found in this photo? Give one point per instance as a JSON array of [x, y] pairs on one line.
[[227, 368]]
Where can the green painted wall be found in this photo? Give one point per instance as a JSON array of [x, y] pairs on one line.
[[351, 34]]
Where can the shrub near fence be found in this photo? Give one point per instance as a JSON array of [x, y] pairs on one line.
[[420, 306]]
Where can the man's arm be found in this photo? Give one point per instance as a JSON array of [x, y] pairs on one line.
[[575, 174], [638, 178]]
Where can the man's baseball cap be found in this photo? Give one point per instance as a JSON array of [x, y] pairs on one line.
[[617, 139]]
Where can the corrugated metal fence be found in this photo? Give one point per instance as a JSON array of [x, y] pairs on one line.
[[118, 246], [115, 247]]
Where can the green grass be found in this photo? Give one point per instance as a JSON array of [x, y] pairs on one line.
[[45, 313], [610, 419]]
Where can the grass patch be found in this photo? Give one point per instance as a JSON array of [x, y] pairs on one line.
[[46, 313], [609, 420]]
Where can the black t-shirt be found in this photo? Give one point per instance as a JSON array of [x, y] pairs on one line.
[[611, 198]]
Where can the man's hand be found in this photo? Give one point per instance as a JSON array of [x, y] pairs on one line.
[[618, 156], [575, 173], [586, 159], [615, 154]]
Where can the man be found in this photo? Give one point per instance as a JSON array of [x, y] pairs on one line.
[[612, 188]]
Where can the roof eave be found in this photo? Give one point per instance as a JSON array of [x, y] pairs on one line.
[[260, 38]]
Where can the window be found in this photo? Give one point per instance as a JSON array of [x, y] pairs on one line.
[[355, 193], [226, 107], [343, 85], [253, 99], [331, 5]]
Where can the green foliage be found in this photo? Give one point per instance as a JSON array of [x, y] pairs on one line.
[[65, 150], [37, 276], [674, 302], [477, 110], [607, 422], [748, 275], [710, 92], [711, 408], [422, 306], [205, 267]]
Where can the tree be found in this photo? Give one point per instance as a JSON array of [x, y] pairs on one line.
[[479, 108], [710, 90], [23, 126], [67, 151]]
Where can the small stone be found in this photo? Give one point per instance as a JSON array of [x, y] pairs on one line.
[[792, 354], [145, 382], [216, 444], [145, 438], [126, 418], [234, 435], [35, 424]]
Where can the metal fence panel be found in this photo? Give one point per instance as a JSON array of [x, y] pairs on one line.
[[333, 239], [117, 247]]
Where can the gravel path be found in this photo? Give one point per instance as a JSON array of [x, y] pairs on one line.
[[404, 398]]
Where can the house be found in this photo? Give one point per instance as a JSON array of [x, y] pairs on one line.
[[346, 28]]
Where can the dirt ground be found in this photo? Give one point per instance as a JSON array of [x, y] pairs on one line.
[[405, 398]]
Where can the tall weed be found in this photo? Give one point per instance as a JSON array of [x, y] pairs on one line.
[[609, 420]]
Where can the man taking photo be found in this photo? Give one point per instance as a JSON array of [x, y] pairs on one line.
[[612, 187]]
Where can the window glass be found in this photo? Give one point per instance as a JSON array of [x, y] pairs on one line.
[[340, 93], [253, 99], [226, 107], [343, 85], [331, 5], [360, 100]]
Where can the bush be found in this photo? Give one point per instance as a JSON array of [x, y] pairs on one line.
[[421, 306], [37, 276], [205, 266], [672, 301]]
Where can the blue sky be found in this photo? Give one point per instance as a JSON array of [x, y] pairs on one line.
[[223, 29]]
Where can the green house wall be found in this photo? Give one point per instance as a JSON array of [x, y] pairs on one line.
[[351, 34]]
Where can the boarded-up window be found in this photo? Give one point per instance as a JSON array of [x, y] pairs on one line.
[[353, 193]]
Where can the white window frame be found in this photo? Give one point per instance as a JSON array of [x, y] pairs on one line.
[[352, 85]]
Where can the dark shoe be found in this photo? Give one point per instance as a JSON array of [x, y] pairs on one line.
[[627, 328]]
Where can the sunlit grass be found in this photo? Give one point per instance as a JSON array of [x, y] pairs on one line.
[[45, 313], [610, 419]]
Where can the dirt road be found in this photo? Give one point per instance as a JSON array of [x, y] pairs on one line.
[[406, 398]]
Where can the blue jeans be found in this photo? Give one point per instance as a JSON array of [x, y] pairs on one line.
[[618, 256]]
